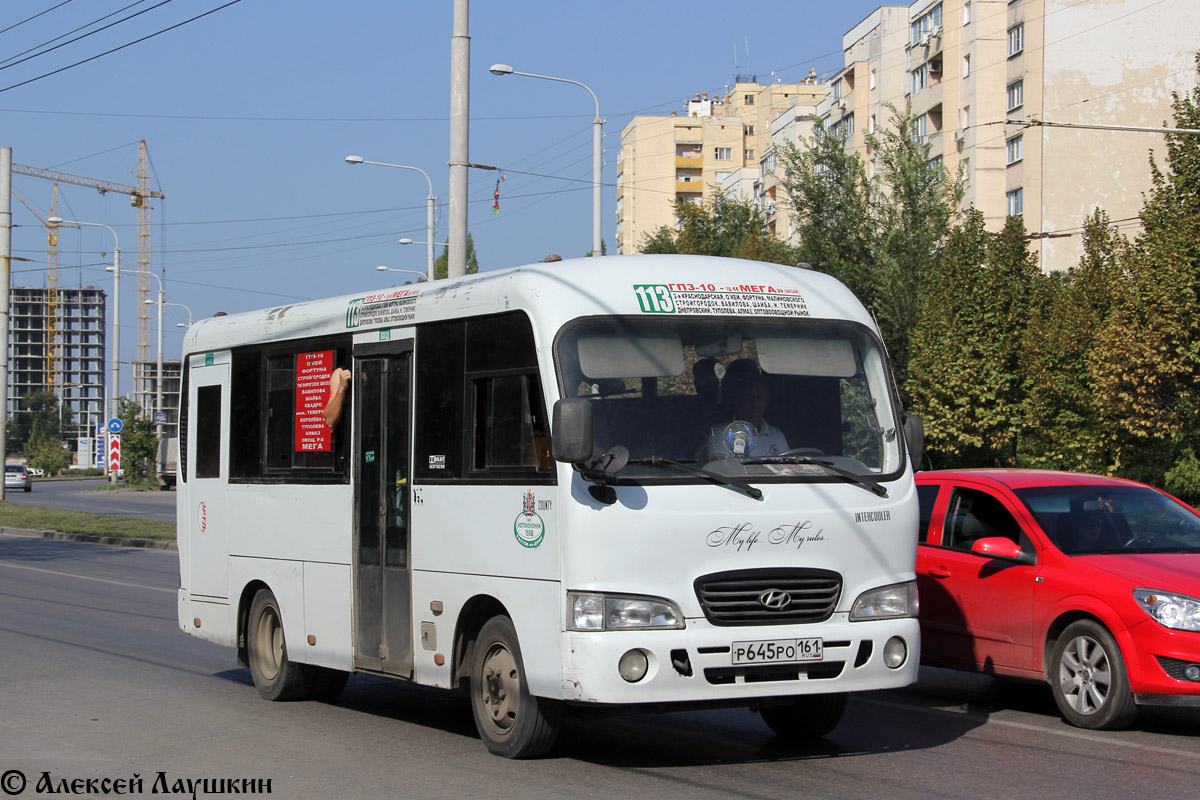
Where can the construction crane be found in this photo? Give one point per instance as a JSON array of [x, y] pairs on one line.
[[51, 284], [139, 198]]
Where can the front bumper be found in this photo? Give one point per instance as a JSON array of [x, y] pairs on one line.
[[1155, 660], [694, 665]]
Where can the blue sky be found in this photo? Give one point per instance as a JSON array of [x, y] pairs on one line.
[[249, 112]]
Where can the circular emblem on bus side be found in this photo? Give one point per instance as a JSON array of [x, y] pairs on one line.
[[528, 527]]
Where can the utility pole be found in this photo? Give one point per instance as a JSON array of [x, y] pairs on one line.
[[460, 111], [5, 280]]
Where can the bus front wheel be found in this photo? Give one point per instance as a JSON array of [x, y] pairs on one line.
[[512, 722], [275, 676], [807, 717]]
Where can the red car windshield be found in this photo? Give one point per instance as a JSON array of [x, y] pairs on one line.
[[1085, 520]]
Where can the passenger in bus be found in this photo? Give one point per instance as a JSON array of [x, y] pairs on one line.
[[339, 387], [747, 396]]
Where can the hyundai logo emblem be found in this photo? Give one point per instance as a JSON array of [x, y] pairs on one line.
[[775, 599]]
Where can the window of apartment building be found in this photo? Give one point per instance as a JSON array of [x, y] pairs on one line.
[[920, 78], [836, 89], [926, 23], [871, 80], [721, 176], [749, 154], [1015, 149], [749, 99], [1016, 95], [966, 12], [966, 65], [920, 128], [723, 153], [871, 124], [748, 130], [936, 163], [843, 128], [1016, 202], [1016, 39], [964, 117]]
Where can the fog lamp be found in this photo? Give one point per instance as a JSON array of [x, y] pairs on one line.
[[895, 652], [1192, 672], [633, 665]]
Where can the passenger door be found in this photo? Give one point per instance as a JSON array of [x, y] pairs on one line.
[[976, 611], [383, 594], [208, 476]]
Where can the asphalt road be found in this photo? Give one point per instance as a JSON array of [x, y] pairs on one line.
[[97, 681], [73, 495]]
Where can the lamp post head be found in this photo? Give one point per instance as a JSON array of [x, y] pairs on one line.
[[108, 269], [381, 268], [405, 240], [354, 159], [55, 220], [500, 69]]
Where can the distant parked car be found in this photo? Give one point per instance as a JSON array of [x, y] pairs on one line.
[[1089, 583], [16, 476]]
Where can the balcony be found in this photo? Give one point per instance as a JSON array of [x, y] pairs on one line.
[[689, 187], [692, 162]]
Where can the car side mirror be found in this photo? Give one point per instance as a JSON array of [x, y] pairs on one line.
[[571, 430], [1002, 548]]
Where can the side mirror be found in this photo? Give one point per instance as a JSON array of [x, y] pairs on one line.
[[914, 438], [1000, 547], [571, 430]]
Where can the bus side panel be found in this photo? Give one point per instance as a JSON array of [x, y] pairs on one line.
[[328, 615], [304, 522], [535, 608], [485, 530]]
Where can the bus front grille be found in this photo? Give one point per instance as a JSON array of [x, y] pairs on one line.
[[768, 596]]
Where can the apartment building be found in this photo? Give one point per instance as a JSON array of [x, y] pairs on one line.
[[719, 140], [147, 396], [75, 372], [976, 71]]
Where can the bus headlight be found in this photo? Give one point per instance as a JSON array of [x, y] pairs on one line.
[[887, 602], [614, 612]]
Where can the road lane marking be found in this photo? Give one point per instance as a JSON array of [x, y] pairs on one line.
[[11, 565], [1070, 734]]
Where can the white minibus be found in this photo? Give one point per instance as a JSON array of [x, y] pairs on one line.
[[652, 482]]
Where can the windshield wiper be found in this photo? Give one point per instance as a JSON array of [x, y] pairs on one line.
[[724, 480], [866, 481]]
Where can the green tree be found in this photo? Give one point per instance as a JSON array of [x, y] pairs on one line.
[[139, 445], [37, 421], [721, 227], [1062, 414], [831, 209], [965, 374], [921, 204], [441, 265], [49, 455], [1145, 367], [603, 249]]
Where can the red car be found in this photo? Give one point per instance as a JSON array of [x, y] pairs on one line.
[[1089, 583]]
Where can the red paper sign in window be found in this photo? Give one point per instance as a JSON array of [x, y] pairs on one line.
[[312, 393]]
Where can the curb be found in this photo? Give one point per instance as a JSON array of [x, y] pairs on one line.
[[94, 538]]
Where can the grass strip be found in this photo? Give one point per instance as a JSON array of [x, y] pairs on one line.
[[13, 515]]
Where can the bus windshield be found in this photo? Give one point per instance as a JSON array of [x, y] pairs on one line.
[[772, 400]]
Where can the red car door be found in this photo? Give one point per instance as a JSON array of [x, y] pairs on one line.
[[976, 611]]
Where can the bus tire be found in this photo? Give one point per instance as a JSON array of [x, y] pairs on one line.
[[807, 717], [275, 676], [328, 684], [512, 722]]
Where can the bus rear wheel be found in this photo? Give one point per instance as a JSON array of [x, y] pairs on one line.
[[275, 676], [512, 722], [808, 717]]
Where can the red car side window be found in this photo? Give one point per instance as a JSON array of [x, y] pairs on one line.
[[973, 515]]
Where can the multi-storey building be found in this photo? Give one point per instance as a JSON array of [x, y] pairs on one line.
[[676, 159], [976, 72], [77, 375], [145, 393]]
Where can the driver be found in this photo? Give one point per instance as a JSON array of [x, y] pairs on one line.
[[747, 395]]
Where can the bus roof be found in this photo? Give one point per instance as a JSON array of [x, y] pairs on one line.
[[553, 293]]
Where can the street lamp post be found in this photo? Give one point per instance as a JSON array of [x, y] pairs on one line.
[[382, 268], [430, 204], [597, 136], [116, 362]]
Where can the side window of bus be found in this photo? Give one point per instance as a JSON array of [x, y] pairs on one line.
[[509, 424], [208, 432], [274, 439]]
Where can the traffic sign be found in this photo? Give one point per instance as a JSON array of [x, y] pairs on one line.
[[115, 425], [114, 453]]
